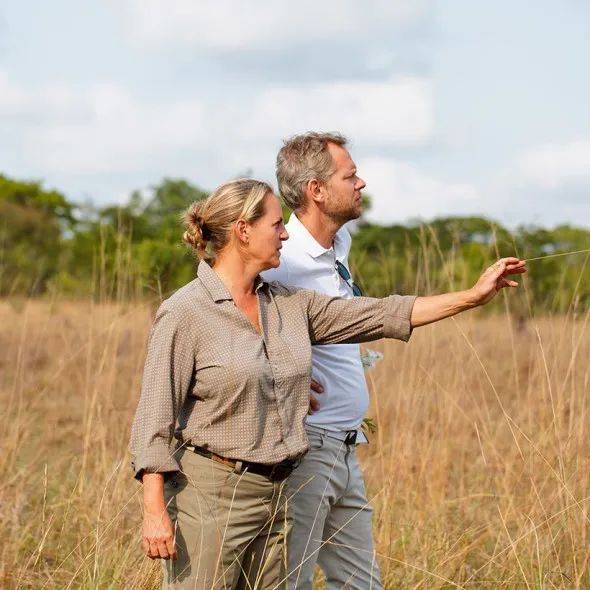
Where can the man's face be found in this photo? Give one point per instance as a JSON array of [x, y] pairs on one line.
[[343, 201]]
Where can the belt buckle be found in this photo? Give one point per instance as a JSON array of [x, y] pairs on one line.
[[281, 471], [351, 437]]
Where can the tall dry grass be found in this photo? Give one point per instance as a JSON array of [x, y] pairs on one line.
[[479, 470]]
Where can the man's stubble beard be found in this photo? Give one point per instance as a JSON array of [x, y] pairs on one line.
[[342, 216]]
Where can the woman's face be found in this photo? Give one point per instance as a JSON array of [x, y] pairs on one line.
[[267, 234]]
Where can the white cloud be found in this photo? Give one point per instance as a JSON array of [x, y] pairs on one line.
[[371, 113], [552, 166], [29, 105], [105, 129], [12, 97], [102, 129], [401, 191], [235, 24]]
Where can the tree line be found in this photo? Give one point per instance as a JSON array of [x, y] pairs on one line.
[[51, 245]]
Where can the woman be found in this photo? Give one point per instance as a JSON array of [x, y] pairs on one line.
[[227, 375]]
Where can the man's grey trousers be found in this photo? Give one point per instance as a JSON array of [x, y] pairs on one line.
[[331, 519]]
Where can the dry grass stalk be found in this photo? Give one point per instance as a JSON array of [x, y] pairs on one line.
[[479, 469]]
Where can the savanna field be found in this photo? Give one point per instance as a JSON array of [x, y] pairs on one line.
[[479, 470], [443, 136]]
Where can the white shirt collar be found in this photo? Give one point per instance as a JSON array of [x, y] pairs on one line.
[[298, 232]]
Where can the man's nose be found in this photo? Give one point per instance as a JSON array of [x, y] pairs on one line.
[[361, 184], [284, 235]]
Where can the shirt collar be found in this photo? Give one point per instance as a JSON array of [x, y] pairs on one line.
[[309, 244], [215, 286]]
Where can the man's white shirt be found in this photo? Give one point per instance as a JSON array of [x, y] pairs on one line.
[[306, 264]]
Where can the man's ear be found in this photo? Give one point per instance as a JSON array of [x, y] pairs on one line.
[[315, 191]]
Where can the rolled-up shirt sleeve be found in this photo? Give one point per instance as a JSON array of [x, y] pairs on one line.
[[335, 320], [167, 376]]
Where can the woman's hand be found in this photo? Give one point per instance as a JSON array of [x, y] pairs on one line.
[[495, 278], [157, 537]]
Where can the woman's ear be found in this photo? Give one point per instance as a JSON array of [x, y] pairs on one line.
[[242, 231]]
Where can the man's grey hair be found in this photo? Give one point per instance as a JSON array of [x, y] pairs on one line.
[[303, 158]]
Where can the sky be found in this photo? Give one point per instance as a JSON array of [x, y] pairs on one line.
[[451, 108]]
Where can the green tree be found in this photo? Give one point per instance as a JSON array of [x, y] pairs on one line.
[[135, 247], [33, 222]]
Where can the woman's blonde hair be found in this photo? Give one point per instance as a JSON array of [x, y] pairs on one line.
[[209, 222]]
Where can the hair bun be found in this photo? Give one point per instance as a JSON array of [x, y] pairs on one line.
[[205, 232], [197, 233]]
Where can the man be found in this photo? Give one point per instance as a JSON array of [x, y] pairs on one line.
[[318, 180]]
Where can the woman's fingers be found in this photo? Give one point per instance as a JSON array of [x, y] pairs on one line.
[[508, 266], [502, 282], [153, 552], [160, 549], [158, 536], [163, 550], [167, 549], [171, 547], [148, 548], [519, 267]]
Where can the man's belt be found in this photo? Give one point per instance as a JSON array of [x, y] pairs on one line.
[[276, 472], [348, 437]]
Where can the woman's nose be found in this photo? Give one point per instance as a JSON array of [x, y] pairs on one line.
[[284, 235]]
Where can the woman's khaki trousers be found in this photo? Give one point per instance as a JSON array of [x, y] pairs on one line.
[[231, 528]]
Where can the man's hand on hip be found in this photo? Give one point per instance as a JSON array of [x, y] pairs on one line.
[[314, 403]]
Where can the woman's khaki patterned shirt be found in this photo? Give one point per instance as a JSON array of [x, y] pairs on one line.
[[211, 380]]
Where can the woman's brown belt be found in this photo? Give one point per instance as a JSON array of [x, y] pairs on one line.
[[276, 472]]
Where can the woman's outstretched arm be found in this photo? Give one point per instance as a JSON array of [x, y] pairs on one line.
[[334, 320], [427, 310]]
